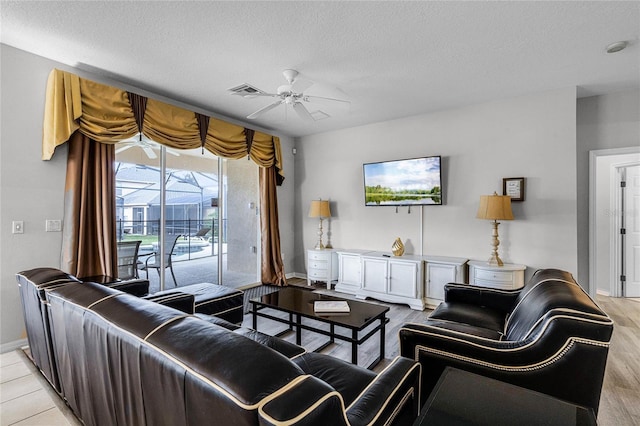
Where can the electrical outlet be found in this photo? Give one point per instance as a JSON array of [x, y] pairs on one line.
[[53, 225], [17, 227]]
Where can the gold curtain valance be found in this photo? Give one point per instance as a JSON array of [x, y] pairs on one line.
[[104, 114]]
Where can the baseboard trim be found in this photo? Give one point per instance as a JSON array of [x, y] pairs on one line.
[[12, 346], [296, 275]]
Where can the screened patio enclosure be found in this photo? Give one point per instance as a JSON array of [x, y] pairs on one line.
[[209, 202], [191, 202]]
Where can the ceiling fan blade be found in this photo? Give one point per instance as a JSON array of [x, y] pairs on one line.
[[255, 95], [152, 155], [311, 98], [302, 112], [173, 152], [123, 148], [300, 85], [263, 110]]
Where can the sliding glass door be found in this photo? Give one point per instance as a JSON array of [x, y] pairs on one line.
[[194, 213]]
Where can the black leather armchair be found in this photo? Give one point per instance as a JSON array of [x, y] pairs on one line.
[[550, 337]]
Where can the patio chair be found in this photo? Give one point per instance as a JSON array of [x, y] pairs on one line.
[[127, 253], [202, 232], [169, 246]]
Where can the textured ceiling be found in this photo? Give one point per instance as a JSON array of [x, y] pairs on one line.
[[389, 59]]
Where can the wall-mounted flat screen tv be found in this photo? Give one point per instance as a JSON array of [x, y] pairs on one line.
[[410, 182]]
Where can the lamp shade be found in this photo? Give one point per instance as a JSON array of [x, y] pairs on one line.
[[495, 207], [319, 208]]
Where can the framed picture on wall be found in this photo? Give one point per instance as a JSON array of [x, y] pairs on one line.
[[513, 187]]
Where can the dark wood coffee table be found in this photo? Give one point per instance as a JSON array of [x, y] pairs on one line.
[[298, 303]]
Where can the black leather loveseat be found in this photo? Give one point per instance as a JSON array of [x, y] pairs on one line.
[[550, 337], [121, 359]]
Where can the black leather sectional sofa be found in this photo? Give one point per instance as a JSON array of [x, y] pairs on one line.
[[118, 359]]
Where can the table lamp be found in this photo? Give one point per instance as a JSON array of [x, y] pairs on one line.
[[320, 209], [495, 207]]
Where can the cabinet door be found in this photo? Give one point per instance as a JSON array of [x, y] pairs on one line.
[[403, 278], [350, 270], [438, 275], [374, 277]]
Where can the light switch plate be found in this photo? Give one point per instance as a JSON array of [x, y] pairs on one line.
[[53, 225], [17, 227]]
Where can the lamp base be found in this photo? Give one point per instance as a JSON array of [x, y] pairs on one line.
[[495, 260], [319, 245]]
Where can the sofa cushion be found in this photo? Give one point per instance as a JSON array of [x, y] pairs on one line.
[[474, 315], [288, 349], [348, 379], [467, 329]]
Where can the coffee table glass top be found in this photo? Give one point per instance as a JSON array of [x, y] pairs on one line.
[[299, 301]]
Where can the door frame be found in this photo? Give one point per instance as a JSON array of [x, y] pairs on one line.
[[593, 218], [616, 224]]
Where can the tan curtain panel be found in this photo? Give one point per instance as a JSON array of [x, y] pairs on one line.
[[271, 268], [89, 236], [104, 114]]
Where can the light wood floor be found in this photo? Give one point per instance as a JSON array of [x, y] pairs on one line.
[[27, 399]]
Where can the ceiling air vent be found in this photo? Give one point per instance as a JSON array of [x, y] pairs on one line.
[[319, 115], [245, 90]]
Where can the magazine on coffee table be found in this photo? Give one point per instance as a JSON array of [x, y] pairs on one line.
[[331, 306]]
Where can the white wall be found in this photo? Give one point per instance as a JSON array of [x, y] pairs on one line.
[[32, 190], [603, 122], [531, 136]]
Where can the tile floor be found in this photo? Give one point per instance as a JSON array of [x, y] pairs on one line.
[[26, 398]]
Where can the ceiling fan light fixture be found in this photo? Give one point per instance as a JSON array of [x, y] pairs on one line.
[[617, 46]]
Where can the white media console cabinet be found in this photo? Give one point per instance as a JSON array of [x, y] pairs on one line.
[[411, 279]]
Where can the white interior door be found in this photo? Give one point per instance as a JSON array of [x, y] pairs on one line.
[[632, 237]]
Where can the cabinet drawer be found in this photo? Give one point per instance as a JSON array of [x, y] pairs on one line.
[[315, 264], [314, 255], [494, 276], [500, 285], [317, 273]]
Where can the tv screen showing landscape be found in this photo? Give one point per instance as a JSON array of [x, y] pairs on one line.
[[415, 181]]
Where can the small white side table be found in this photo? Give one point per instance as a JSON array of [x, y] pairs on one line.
[[322, 265], [507, 277]]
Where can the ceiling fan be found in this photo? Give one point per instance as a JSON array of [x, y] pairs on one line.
[[289, 94], [142, 142]]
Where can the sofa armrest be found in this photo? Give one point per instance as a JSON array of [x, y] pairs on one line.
[[307, 401], [553, 360], [137, 287], [177, 300], [389, 397], [393, 397], [502, 300]]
